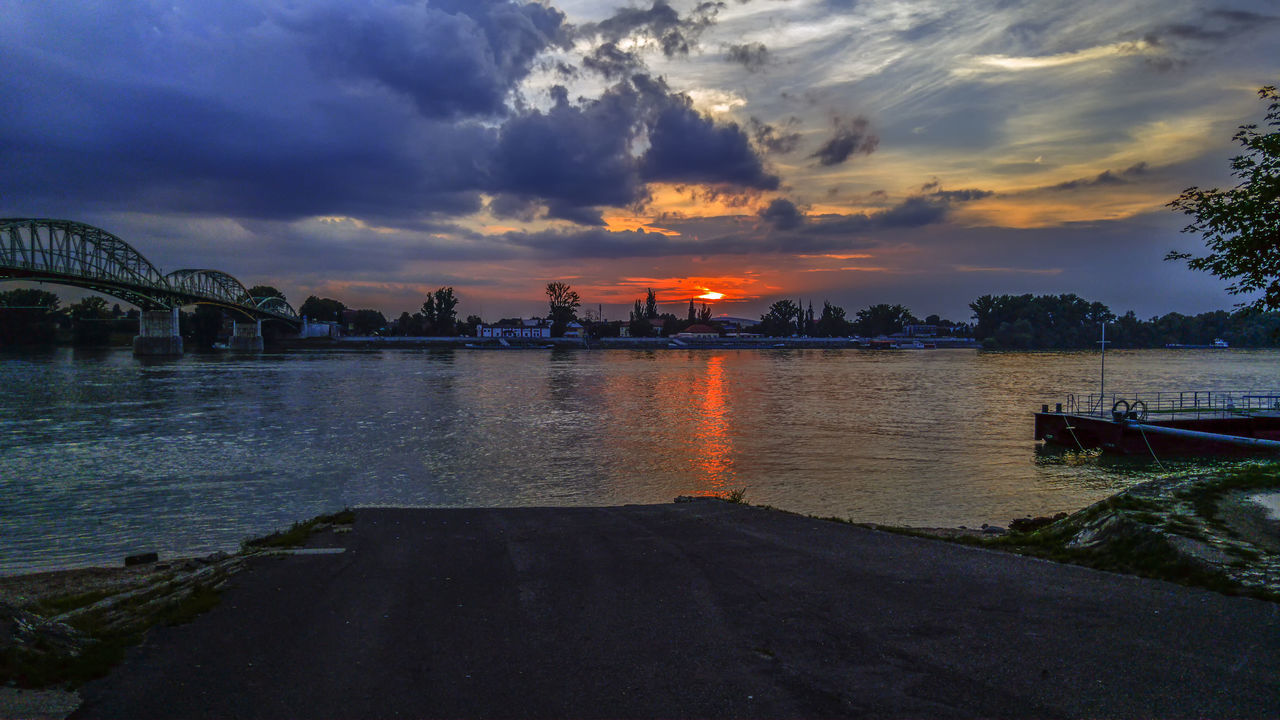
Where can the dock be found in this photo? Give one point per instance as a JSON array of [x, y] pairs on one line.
[[1160, 424]]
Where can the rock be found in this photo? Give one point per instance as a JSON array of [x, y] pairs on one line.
[[1199, 552], [19, 628], [1030, 524], [141, 559]]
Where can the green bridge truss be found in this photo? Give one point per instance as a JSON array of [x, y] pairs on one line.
[[72, 253]]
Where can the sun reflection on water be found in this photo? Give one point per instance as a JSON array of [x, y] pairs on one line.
[[713, 447]]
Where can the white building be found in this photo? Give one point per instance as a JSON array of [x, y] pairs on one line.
[[515, 329]]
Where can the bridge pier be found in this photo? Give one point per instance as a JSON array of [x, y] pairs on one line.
[[158, 333], [247, 336]]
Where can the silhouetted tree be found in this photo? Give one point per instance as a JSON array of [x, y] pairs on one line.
[[563, 305], [446, 304], [28, 317], [265, 291], [704, 315], [89, 326], [883, 319], [324, 309], [639, 326], [651, 304], [832, 323], [1241, 225], [780, 320], [368, 322]]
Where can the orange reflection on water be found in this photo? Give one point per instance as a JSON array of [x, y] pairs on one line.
[[713, 448]]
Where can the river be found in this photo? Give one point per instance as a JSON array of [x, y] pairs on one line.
[[103, 454]]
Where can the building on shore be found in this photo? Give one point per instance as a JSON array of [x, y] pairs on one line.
[[515, 328], [698, 332]]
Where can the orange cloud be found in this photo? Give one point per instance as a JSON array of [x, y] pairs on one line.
[[618, 223]]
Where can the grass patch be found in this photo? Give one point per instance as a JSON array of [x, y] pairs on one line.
[[41, 666], [1138, 546], [30, 669], [297, 534], [737, 496], [200, 600], [49, 607]]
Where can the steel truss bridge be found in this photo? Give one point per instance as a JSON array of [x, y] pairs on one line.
[[65, 252]]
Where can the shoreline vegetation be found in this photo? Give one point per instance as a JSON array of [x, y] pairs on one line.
[[33, 318], [63, 628]]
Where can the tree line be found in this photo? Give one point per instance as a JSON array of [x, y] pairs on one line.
[[1037, 322], [37, 317]]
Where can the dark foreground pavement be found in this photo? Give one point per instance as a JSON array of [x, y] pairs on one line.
[[703, 609]]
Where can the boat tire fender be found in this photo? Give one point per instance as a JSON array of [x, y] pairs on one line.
[[1138, 411], [1117, 413]]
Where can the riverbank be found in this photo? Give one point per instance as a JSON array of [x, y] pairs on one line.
[[768, 611], [655, 343], [1212, 530]]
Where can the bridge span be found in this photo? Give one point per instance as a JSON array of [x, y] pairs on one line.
[[66, 252]]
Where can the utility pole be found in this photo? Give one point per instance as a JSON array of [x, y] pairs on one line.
[[1102, 387]]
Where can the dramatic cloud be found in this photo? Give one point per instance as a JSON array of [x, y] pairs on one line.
[[662, 23], [852, 135], [325, 142], [1106, 177], [753, 55], [687, 147], [779, 139], [454, 58], [579, 157], [612, 62], [573, 156], [783, 214]]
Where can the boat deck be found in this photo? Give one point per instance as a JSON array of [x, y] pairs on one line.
[[1165, 424]]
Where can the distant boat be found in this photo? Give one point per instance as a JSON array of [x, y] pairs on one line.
[[1217, 344]]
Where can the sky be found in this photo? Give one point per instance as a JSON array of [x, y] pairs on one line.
[[853, 151]]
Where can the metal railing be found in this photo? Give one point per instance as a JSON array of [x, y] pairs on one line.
[[1182, 405]]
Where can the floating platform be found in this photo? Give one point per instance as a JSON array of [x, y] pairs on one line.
[[1199, 423]]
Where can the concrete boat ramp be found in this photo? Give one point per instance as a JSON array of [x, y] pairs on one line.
[[701, 609]]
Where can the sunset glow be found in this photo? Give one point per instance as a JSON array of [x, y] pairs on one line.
[[920, 153]]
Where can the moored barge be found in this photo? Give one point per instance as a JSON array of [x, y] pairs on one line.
[[1166, 423]]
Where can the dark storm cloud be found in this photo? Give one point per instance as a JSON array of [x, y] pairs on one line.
[[688, 147], [611, 62], [151, 148], [1106, 177], [1213, 26], [388, 111], [782, 214], [786, 230], [452, 58], [778, 139], [930, 206], [577, 157], [572, 156], [852, 135], [676, 35], [753, 55]]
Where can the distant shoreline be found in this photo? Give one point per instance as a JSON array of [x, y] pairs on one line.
[[395, 342]]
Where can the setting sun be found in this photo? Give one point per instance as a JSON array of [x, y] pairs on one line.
[[710, 295]]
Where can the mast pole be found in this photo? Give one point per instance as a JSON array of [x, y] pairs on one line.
[[1102, 387]]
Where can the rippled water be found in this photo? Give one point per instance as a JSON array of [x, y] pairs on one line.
[[103, 454]]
